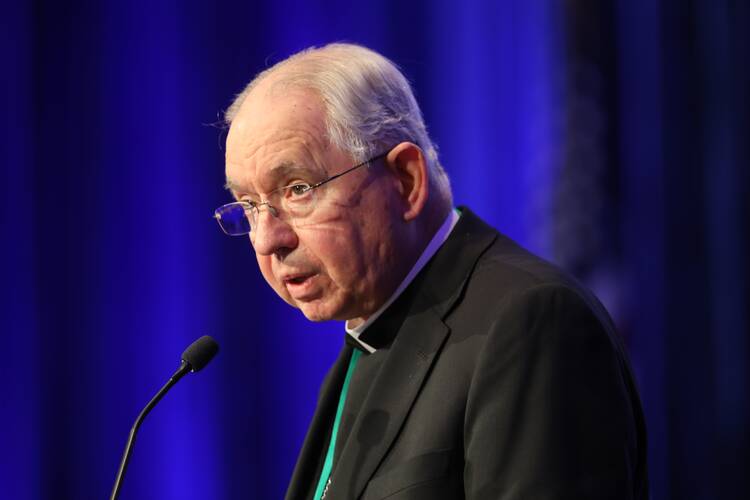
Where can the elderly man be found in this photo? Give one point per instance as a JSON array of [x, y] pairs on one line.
[[472, 369]]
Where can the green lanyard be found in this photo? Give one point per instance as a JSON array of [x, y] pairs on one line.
[[328, 464]]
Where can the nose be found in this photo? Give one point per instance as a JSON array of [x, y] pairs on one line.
[[271, 235]]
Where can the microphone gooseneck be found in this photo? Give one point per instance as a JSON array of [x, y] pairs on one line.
[[195, 357]]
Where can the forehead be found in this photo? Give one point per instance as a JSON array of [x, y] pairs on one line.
[[275, 127]]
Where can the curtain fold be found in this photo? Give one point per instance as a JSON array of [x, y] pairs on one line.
[[608, 137]]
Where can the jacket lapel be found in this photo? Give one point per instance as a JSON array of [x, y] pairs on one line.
[[417, 317], [391, 396], [306, 471]]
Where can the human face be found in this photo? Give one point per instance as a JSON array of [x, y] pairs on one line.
[[337, 264]]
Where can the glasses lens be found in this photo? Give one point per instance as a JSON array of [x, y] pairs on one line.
[[233, 219]]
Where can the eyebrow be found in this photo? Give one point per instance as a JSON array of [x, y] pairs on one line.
[[283, 169]]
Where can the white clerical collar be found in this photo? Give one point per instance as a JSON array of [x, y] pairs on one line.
[[435, 243]]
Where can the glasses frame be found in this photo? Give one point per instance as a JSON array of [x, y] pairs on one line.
[[255, 207]]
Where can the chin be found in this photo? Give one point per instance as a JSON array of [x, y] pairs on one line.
[[321, 310], [313, 313]]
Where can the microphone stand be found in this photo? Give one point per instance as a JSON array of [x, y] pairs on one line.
[[183, 370]]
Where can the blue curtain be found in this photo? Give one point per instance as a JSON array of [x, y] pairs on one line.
[[609, 137]]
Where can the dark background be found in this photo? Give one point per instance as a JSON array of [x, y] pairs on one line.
[[610, 137]]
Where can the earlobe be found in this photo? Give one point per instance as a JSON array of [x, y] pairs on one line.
[[410, 167]]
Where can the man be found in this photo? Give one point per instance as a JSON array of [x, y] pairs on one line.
[[472, 369]]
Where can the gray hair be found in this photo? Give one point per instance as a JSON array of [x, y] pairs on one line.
[[369, 103]]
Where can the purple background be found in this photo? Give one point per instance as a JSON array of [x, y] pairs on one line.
[[610, 137]]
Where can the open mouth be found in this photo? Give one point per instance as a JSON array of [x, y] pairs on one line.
[[296, 280], [300, 287]]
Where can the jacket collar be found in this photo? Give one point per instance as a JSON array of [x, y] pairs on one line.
[[413, 332], [438, 239]]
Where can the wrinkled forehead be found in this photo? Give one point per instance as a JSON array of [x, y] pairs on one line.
[[267, 114], [273, 129]]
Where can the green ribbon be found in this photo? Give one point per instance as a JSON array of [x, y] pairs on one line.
[[328, 464]]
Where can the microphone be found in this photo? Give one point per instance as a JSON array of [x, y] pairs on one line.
[[195, 357]]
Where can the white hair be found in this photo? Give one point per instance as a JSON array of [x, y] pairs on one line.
[[369, 103]]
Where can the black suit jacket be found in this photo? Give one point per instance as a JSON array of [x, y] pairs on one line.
[[496, 377]]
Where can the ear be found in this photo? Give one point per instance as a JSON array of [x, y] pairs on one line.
[[409, 166]]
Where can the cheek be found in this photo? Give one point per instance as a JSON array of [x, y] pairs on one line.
[[343, 258], [264, 263]]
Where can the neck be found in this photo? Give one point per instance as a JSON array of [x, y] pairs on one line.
[[414, 242]]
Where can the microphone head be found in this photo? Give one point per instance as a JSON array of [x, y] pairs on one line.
[[200, 352]]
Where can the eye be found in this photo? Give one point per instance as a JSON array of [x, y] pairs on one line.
[[298, 190]]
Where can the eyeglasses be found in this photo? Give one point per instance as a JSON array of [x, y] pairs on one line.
[[290, 204]]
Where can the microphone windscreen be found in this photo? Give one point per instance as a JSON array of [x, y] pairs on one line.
[[200, 352]]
